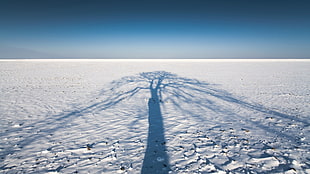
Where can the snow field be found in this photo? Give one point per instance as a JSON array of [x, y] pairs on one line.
[[92, 116]]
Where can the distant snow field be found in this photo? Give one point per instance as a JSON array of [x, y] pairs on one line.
[[155, 116]]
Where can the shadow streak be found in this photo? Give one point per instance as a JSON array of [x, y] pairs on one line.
[[187, 96], [156, 159]]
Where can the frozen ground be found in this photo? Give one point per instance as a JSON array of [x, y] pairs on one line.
[[199, 116]]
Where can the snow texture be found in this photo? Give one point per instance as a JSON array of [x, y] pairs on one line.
[[198, 116]]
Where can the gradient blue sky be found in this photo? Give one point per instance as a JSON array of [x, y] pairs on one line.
[[154, 29]]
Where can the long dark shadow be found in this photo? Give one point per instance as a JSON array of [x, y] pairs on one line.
[[188, 96], [156, 159]]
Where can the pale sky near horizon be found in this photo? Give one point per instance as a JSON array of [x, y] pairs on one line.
[[154, 29]]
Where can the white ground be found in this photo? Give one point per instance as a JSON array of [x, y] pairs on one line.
[[92, 116]]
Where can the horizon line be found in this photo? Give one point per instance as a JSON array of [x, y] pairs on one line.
[[158, 59], [154, 58]]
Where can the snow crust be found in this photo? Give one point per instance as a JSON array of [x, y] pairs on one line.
[[140, 116]]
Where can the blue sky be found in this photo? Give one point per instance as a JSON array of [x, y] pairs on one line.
[[154, 29]]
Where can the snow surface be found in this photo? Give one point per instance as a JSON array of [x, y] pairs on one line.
[[155, 116]]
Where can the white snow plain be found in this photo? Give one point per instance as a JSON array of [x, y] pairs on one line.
[[155, 116]]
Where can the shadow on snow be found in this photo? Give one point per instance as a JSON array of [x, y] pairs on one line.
[[162, 87]]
